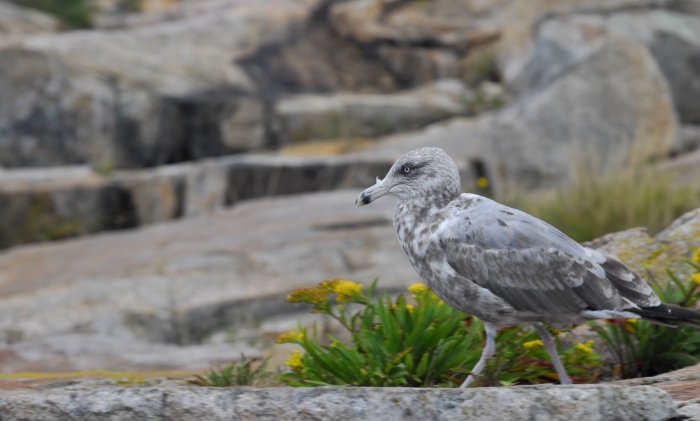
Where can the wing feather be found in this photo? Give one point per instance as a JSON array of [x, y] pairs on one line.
[[532, 265]]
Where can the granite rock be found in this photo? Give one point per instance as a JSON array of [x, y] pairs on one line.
[[343, 115], [594, 402], [131, 98], [20, 21], [612, 109], [54, 203], [673, 38]]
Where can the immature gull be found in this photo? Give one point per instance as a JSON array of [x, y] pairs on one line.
[[504, 266]]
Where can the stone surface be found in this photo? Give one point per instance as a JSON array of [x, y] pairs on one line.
[[343, 115], [681, 384], [316, 61], [179, 281], [596, 402], [132, 98], [651, 257], [688, 140], [613, 109], [49, 204], [685, 168], [17, 21], [673, 39], [80, 352]]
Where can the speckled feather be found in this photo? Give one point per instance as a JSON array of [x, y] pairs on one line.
[[500, 264]]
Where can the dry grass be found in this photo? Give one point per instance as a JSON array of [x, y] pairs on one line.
[[593, 205]]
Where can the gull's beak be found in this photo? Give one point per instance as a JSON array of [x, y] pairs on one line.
[[373, 193]]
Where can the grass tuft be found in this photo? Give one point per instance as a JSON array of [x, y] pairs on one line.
[[594, 205]]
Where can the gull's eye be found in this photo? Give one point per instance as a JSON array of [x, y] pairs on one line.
[[406, 169]]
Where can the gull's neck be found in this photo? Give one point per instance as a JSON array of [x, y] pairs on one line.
[[411, 215]]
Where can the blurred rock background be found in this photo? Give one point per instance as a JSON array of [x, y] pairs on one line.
[[174, 124]]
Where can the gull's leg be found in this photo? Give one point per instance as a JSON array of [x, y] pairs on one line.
[[487, 353], [548, 342]]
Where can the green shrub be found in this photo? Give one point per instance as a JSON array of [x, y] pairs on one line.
[[395, 343], [236, 374], [642, 349], [73, 13]]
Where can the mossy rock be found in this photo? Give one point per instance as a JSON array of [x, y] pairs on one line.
[[652, 257]]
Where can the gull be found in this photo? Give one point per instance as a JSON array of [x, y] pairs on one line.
[[504, 266]]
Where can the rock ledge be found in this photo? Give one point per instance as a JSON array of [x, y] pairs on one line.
[[584, 402]]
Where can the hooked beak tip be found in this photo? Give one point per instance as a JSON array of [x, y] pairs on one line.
[[362, 200]]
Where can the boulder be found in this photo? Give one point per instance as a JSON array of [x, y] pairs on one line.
[[613, 109], [49, 204], [688, 140], [179, 281], [590, 402], [316, 61], [673, 38], [343, 115], [652, 257], [18, 21], [418, 41], [132, 98], [83, 352]]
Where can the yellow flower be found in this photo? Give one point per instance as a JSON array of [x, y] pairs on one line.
[[590, 343], [533, 344], [633, 321], [585, 348], [410, 308], [295, 361], [344, 289], [290, 337], [482, 182], [441, 303], [696, 256], [340, 307], [696, 278], [308, 295], [418, 288]]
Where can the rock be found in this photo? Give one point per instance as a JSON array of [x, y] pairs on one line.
[[614, 108], [81, 352], [52, 204], [592, 402], [344, 115], [317, 60], [177, 282], [681, 384], [685, 168], [49, 204], [16, 20], [418, 42], [130, 98], [687, 141], [651, 257], [673, 39]]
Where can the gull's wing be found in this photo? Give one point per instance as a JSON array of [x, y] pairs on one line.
[[532, 265]]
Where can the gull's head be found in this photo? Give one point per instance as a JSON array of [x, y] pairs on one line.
[[425, 173]]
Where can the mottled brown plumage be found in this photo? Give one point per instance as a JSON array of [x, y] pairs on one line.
[[503, 265]]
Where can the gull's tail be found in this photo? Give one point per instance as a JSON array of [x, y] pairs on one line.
[[668, 315]]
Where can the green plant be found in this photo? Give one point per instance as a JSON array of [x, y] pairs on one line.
[[73, 13], [395, 343], [235, 374], [641, 348], [593, 205]]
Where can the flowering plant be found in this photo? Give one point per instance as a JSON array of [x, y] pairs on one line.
[[642, 349], [422, 343]]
